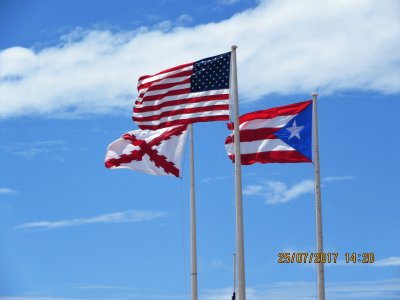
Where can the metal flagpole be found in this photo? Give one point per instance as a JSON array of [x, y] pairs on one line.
[[234, 277], [238, 182], [318, 209], [193, 247]]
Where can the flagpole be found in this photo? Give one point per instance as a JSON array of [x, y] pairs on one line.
[[193, 246], [318, 208], [234, 277], [238, 182]]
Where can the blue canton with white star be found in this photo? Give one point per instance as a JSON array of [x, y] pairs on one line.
[[211, 73], [297, 133]]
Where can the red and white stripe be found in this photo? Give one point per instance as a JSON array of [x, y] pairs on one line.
[[258, 143], [165, 99]]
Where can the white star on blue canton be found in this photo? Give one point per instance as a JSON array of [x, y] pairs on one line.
[[294, 130]]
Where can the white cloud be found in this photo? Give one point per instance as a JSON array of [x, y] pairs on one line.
[[284, 47], [217, 264], [33, 298], [184, 19], [47, 149], [217, 178], [7, 191], [119, 217], [299, 290], [337, 178], [275, 192], [393, 261], [228, 2]]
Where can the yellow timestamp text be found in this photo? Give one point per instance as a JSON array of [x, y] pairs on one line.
[[329, 257]]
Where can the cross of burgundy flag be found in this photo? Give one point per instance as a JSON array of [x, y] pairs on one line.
[[185, 94], [156, 152], [276, 135]]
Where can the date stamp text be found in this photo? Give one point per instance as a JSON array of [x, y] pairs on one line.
[[329, 257]]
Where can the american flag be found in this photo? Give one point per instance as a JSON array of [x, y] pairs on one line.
[[276, 135], [193, 92]]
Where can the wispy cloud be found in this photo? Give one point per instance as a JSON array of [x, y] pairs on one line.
[[93, 71], [46, 149], [35, 298], [128, 295], [300, 290], [110, 287], [227, 2], [7, 191], [337, 178], [216, 178], [276, 192], [119, 217], [393, 261]]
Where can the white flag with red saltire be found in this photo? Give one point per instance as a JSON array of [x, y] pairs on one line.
[[276, 135], [157, 152], [189, 93]]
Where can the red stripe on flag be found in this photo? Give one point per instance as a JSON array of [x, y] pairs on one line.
[[166, 86], [181, 112], [169, 93], [251, 135], [271, 157], [166, 71], [142, 88], [291, 109], [180, 102], [185, 121]]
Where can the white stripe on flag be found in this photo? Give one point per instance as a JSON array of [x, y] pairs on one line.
[[184, 106], [171, 80], [184, 117], [260, 146], [276, 122], [163, 75], [184, 96], [172, 88]]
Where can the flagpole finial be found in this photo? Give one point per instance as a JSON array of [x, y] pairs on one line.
[[314, 94], [234, 47]]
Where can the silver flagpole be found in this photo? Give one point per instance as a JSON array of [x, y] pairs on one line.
[[318, 209], [234, 277], [238, 181], [193, 247]]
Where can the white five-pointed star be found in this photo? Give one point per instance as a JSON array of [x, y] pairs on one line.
[[295, 130]]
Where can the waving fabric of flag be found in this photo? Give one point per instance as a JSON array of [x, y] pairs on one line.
[[276, 135], [193, 92], [157, 152]]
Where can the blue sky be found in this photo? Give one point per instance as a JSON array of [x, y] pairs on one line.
[[72, 229]]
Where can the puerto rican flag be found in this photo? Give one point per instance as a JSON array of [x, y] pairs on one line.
[[276, 135]]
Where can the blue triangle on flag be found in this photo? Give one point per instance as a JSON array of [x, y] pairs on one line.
[[297, 133]]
